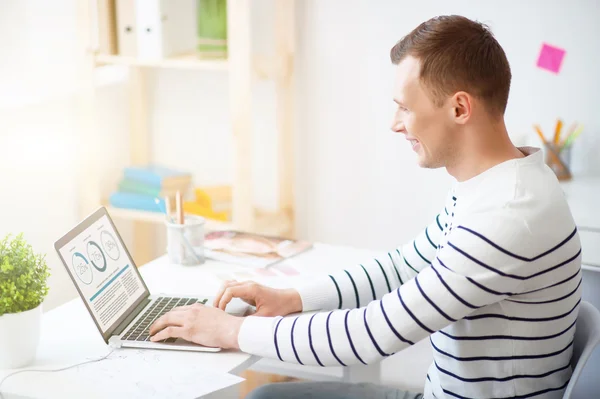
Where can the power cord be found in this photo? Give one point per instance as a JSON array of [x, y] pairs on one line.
[[52, 371]]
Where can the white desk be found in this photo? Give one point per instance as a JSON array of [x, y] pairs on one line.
[[69, 335]]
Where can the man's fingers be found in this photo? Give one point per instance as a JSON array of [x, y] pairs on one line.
[[226, 284], [169, 332], [169, 319], [239, 291]]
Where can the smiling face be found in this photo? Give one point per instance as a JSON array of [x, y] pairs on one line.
[[428, 127]]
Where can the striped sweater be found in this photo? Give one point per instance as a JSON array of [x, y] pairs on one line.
[[494, 282]]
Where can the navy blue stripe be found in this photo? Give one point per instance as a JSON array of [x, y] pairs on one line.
[[554, 285], [437, 219], [370, 282], [382, 353], [452, 292], [350, 338], [338, 291], [400, 337], [513, 275], [529, 395], [453, 198], [419, 253], [395, 268], [500, 379], [550, 300], [429, 238], [501, 316], [329, 339], [429, 379], [499, 358], [384, 275], [483, 287], [440, 311], [293, 345], [310, 341], [355, 289], [423, 326], [446, 210], [523, 258], [489, 337], [408, 264], [275, 338]]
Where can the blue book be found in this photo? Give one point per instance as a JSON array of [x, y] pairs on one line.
[[138, 202], [158, 176]]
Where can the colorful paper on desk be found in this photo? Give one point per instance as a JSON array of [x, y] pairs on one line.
[[253, 250], [551, 58]]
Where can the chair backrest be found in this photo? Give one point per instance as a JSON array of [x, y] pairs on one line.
[[587, 337]]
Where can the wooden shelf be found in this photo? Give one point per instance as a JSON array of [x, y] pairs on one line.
[[158, 218], [269, 223], [184, 61]]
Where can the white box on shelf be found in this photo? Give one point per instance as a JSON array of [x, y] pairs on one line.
[[156, 29], [126, 28], [165, 28]]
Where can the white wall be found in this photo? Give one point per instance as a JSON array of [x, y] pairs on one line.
[[39, 132]]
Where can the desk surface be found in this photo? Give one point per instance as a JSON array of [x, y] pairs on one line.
[[69, 335]]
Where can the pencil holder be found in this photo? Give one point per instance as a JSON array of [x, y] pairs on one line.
[[558, 158], [185, 242]]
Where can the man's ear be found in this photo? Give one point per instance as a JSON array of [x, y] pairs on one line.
[[461, 107]]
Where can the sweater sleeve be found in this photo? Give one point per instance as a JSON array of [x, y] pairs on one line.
[[466, 273], [358, 285]]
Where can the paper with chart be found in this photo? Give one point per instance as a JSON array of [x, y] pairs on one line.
[[103, 272], [131, 373]]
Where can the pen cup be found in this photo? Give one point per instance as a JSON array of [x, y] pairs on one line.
[[185, 242], [558, 158]]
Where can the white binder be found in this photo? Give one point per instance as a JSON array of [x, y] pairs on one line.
[[156, 29]]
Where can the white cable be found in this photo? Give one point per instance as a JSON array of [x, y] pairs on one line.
[[52, 371]]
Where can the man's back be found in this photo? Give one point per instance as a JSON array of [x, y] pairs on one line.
[[515, 218]]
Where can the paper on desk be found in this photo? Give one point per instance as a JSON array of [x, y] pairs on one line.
[[129, 374]]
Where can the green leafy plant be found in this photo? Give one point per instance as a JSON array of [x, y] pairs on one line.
[[23, 276]]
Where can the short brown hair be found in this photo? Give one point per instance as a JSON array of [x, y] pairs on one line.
[[458, 54]]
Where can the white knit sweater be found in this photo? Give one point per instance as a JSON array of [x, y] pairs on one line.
[[494, 281]]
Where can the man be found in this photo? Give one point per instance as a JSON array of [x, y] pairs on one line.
[[494, 281]]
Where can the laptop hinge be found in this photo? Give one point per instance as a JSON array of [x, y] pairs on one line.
[[121, 327]]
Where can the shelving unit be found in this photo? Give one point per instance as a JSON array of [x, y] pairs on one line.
[[243, 68]]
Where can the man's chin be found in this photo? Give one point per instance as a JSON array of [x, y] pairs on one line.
[[426, 163]]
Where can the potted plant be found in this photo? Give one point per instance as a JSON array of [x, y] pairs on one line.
[[23, 287]]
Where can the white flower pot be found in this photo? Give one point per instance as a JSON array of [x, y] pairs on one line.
[[19, 338]]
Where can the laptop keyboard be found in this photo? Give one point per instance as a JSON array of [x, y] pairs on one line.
[[140, 331]]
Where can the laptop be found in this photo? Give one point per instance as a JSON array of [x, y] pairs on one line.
[[113, 290]]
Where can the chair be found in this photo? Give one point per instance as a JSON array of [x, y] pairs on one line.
[[587, 337]]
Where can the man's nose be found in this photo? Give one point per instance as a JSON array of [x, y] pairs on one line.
[[398, 126]]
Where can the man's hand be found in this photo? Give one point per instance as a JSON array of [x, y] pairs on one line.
[[199, 324], [268, 301]]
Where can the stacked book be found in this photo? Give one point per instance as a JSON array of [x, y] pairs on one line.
[[140, 187]]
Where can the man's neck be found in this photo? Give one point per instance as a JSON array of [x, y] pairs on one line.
[[484, 147]]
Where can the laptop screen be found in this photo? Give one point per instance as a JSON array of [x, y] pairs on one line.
[[103, 271]]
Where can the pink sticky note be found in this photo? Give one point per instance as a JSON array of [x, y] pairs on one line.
[[551, 58]]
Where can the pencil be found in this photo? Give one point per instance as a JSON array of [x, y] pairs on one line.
[[539, 132], [568, 133], [168, 208], [557, 131], [573, 136], [178, 208]]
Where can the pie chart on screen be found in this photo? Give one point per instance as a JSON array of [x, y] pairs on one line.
[[96, 256], [81, 268]]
